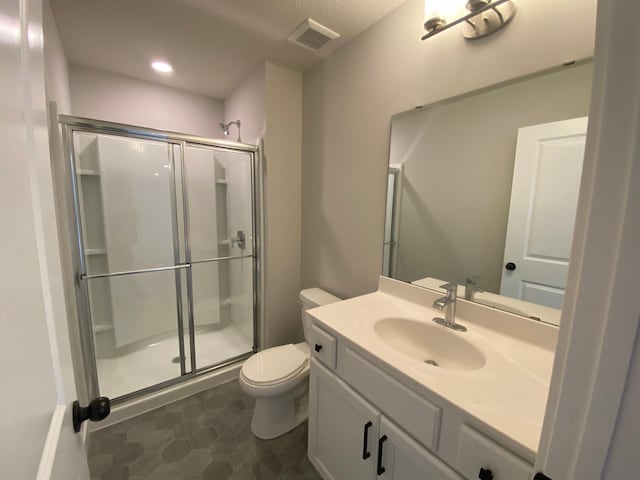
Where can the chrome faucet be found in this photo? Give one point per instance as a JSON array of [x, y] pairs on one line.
[[471, 287], [448, 306]]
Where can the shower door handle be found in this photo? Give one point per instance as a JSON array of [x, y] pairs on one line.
[[240, 240], [98, 409]]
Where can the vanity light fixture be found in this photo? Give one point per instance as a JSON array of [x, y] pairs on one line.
[[485, 17], [162, 67]]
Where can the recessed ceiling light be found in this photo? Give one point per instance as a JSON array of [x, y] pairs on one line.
[[160, 66]]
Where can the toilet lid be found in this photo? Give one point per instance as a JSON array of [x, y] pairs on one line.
[[274, 364]]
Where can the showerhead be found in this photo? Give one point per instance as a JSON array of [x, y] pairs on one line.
[[225, 128]]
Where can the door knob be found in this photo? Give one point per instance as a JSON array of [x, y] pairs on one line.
[[510, 266], [98, 409], [485, 474], [541, 476]]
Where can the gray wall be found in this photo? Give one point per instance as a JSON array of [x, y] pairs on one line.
[[350, 97], [116, 98], [56, 67], [269, 104], [247, 103], [458, 160]]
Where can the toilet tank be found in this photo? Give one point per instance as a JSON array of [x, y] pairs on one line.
[[311, 298]]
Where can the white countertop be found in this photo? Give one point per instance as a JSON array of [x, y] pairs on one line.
[[508, 394]]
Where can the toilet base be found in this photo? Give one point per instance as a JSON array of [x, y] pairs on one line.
[[277, 415]]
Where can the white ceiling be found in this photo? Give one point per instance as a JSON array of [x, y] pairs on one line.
[[213, 45]]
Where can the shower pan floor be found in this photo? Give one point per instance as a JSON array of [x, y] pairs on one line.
[[153, 364]]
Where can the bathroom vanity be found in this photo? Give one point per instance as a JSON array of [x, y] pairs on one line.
[[395, 396]]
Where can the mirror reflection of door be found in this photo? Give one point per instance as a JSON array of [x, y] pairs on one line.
[[544, 197]]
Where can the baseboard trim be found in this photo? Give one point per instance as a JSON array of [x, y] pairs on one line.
[[47, 460]]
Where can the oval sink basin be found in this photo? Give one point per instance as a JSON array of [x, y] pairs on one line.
[[433, 345]]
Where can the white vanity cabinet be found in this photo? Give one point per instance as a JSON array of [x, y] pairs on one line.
[[350, 439], [404, 459], [366, 424], [342, 428]]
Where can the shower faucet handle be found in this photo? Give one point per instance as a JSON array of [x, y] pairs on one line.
[[241, 240]]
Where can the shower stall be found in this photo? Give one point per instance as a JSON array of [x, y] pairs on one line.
[[165, 254]]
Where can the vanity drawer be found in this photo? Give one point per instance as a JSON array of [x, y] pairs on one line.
[[475, 451], [323, 346], [413, 413]]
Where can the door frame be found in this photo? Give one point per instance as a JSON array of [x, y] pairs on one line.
[[600, 316], [84, 343]]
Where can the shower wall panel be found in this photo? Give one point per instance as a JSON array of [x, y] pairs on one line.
[[135, 178], [238, 212], [204, 211]]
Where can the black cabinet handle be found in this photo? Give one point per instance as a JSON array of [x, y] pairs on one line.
[[485, 474], [510, 266], [98, 409], [365, 449], [381, 441], [318, 347]]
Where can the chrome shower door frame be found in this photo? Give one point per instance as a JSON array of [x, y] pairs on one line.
[[69, 125]]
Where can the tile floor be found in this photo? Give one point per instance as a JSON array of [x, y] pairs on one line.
[[205, 437]]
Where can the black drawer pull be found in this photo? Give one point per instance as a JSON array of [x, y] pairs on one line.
[[365, 449], [381, 441], [485, 474], [318, 347]]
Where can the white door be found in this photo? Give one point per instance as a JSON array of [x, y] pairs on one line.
[[404, 459], [544, 197], [342, 428], [37, 436]]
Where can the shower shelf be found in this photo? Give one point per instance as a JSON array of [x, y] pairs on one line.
[[222, 181], [226, 242], [88, 171], [95, 251]]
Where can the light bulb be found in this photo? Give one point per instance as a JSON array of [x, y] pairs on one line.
[[442, 8], [161, 66]]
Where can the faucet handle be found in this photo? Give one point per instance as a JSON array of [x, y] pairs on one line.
[[473, 279], [471, 287], [451, 288]]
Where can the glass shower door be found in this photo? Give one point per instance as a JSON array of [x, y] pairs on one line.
[[218, 192], [127, 207], [167, 254]]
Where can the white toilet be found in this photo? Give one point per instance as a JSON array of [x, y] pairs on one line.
[[277, 377]]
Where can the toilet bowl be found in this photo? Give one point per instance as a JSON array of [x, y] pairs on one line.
[[278, 377]]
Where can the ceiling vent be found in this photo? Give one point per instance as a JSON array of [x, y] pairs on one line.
[[312, 36]]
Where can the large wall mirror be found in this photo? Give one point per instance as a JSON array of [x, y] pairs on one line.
[[483, 189]]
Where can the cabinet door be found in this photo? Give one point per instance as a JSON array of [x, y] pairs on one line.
[[402, 458], [343, 428]]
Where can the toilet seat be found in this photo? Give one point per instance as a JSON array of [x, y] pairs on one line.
[[275, 365]]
